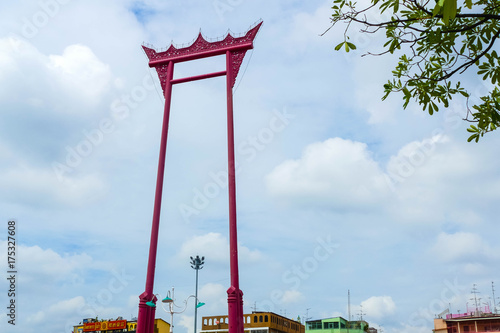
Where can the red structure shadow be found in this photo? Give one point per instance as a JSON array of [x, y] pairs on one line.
[[235, 49]]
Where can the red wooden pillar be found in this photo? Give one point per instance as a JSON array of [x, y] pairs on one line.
[[146, 316], [234, 294]]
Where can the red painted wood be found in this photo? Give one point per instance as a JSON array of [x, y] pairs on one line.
[[235, 49]]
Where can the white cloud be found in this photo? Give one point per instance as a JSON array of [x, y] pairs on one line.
[[475, 269], [187, 322], [437, 179], [213, 290], [292, 296], [379, 306], [409, 329], [49, 266], [67, 306], [337, 173], [214, 296], [462, 246], [215, 247], [133, 301], [70, 310], [43, 273], [31, 184], [337, 314], [62, 82], [307, 28], [370, 90], [80, 69]]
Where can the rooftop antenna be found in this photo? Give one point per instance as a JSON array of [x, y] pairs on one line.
[[361, 312], [475, 292], [446, 311], [306, 318], [254, 308], [494, 301], [349, 304]]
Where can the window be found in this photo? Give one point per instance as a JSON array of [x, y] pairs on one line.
[[314, 325], [330, 325], [266, 319], [334, 325]]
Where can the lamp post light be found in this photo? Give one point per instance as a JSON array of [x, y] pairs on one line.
[[197, 264], [171, 304], [169, 299]]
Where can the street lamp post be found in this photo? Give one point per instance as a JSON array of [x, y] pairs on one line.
[[171, 306], [197, 264]]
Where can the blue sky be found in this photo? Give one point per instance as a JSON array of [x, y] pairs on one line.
[[346, 193]]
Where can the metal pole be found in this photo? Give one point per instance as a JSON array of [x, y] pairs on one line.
[[146, 316], [196, 264], [171, 308], [196, 300]]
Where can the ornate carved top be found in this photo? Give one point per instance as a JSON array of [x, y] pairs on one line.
[[201, 45], [200, 48]]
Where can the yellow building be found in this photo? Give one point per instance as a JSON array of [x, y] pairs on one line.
[[119, 325], [256, 322]]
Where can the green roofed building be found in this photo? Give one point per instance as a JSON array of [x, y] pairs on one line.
[[336, 325]]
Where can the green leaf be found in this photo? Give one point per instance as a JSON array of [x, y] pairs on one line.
[[338, 47], [473, 137], [351, 46]]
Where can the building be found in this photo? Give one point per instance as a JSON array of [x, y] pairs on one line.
[[117, 325], [468, 322], [336, 325], [256, 322]]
